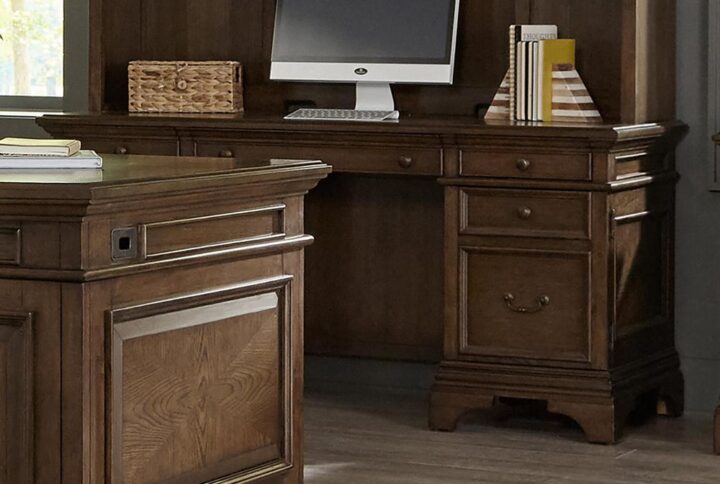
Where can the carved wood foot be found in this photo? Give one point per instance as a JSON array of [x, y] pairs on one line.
[[602, 423], [446, 408], [671, 396]]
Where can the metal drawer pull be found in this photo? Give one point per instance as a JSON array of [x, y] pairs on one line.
[[405, 161], [523, 165], [542, 301], [227, 154], [121, 150], [525, 213]]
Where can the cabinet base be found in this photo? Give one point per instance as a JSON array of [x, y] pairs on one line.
[[599, 401]]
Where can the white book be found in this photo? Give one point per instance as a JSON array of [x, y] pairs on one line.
[[520, 105], [81, 160], [535, 81], [541, 80], [524, 33], [528, 80]]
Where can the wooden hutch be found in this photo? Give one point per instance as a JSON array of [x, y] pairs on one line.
[[532, 261]]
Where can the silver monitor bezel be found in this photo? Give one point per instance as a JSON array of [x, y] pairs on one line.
[[358, 72]]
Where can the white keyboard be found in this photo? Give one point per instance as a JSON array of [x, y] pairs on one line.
[[342, 115]]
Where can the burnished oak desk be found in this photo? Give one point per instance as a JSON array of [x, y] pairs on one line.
[[151, 322], [541, 264], [543, 258]]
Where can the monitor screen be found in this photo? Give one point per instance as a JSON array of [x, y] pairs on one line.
[[364, 31]]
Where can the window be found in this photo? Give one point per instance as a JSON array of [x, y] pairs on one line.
[[31, 54]]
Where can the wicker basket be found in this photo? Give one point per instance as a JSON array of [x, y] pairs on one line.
[[184, 87]]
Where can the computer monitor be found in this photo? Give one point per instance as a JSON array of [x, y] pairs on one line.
[[373, 43]]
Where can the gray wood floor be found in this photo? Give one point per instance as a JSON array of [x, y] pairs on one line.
[[373, 437]]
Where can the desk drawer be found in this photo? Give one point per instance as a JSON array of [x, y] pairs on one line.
[[522, 303], [518, 164], [525, 213], [349, 159], [124, 146]]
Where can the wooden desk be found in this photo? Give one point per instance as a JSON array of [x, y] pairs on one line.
[[552, 278], [151, 321]]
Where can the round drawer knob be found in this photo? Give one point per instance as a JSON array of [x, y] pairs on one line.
[[405, 161], [121, 150], [523, 165], [525, 213], [227, 154]]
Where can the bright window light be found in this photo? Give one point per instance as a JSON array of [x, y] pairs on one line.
[[31, 49]]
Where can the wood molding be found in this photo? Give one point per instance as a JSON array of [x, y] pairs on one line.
[[10, 245], [16, 398]]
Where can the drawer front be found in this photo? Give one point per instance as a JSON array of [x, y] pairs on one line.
[[201, 233], [160, 237], [517, 164], [349, 159], [525, 304], [124, 146], [563, 215]]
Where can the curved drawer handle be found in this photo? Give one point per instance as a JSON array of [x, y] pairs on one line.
[[542, 301]]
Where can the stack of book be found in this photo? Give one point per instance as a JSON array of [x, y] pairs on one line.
[[541, 82], [534, 50], [25, 153]]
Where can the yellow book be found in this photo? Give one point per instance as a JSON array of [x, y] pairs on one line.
[[553, 52], [38, 147]]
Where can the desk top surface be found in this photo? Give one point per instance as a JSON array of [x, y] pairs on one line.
[[419, 125], [135, 174]]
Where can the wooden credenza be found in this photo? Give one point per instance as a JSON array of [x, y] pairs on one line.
[[539, 267], [151, 321]]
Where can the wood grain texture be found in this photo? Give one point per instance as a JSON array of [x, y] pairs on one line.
[[495, 326], [38, 421], [196, 391], [624, 56], [375, 269], [526, 213], [16, 398]]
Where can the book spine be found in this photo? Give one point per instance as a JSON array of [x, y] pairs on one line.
[[536, 81], [512, 69]]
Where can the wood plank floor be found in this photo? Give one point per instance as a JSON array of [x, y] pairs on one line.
[[373, 437]]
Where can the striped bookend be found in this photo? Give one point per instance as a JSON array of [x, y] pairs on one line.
[[571, 100], [500, 107]]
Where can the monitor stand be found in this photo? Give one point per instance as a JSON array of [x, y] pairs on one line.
[[371, 96]]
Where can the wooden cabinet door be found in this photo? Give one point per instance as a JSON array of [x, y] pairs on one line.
[[199, 386], [30, 382]]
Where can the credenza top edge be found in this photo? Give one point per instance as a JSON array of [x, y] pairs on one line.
[[461, 126]]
